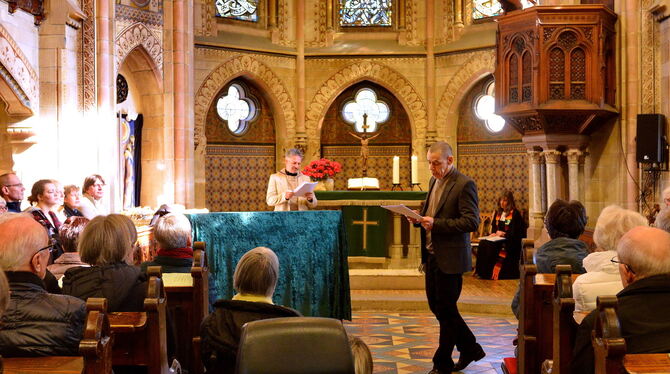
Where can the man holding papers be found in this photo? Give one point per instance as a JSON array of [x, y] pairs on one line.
[[289, 189], [450, 213]]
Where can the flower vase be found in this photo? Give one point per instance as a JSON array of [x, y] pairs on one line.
[[325, 185]]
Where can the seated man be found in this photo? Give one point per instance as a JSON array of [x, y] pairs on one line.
[[36, 323], [11, 190], [254, 280], [173, 238], [643, 256]]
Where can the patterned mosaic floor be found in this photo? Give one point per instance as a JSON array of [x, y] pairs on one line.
[[405, 342]]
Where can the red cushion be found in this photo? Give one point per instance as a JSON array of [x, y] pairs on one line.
[[509, 365]]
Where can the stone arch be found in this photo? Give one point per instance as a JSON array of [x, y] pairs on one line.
[[476, 67], [277, 95], [375, 72], [18, 79], [136, 35]]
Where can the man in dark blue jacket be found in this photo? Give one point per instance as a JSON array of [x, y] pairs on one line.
[[11, 190], [36, 323]]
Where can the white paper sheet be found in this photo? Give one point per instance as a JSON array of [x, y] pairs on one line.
[[304, 188], [401, 209], [492, 238]]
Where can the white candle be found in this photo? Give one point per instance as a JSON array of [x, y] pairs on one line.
[[415, 170], [396, 170]]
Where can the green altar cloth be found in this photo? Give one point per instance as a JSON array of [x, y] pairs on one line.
[[312, 250], [369, 227]]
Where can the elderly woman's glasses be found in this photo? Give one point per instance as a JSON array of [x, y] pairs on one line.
[[615, 260]]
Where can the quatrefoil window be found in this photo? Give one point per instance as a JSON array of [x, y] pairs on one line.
[[236, 109], [484, 106], [365, 102]]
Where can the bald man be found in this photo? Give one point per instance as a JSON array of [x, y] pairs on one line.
[[643, 256], [11, 190], [36, 323]]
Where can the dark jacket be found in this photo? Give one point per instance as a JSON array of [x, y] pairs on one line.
[[169, 264], [71, 212], [14, 206], [643, 311], [221, 330], [37, 323], [457, 215], [559, 251], [124, 286]]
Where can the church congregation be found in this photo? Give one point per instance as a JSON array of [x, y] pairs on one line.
[[334, 186]]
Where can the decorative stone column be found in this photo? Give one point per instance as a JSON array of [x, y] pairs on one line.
[[574, 157], [552, 158], [536, 211], [414, 247], [396, 247]]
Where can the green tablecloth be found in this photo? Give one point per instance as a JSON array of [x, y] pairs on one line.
[[312, 250]]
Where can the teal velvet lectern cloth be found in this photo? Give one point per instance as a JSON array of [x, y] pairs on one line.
[[312, 251]]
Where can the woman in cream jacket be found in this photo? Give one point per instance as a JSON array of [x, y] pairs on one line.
[[602, 275]]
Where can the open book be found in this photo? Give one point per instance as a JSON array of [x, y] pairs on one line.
[[304, 188]]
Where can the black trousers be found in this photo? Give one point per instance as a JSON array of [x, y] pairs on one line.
[[443, 291]]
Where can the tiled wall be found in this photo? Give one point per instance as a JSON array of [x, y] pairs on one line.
[[237, 177], [380, 164]]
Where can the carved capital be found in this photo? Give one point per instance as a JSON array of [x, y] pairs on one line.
[[574, 156], [535, 157], [552, 156]]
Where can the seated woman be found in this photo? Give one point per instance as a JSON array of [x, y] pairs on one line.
[[45, 199], [500, 259], [71, 201], [565, 222], [107, 245], [602, 275], [69, 237], [254, 280], [173, 239]]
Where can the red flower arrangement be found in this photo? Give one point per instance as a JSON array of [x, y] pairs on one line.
[[322, 169]]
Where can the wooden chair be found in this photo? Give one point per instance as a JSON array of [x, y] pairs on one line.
[[189, 305], [565, 327], [527, 251], [95, 347], [140, 337]]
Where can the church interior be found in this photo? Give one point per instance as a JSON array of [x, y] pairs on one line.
[[194, 103]]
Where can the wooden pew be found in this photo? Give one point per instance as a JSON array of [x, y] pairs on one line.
[[140, 337], [564, 325], [536, 319], [189, 304], [527, 251], [95, 348]]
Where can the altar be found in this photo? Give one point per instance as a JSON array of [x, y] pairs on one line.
[[376, 235], [312, 250]]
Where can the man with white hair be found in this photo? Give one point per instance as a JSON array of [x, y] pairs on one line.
[[643, 257], [36, 323], [173, 237], [282, 184]]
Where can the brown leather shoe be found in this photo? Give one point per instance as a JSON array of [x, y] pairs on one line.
[[465, 360]]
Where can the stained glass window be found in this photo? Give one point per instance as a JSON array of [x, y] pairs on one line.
[[245, 10], [236, 109], [365, 103], [491, 8], [365, 12], [484, 106]]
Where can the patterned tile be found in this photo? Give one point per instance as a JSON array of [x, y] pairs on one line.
[[406, 342]]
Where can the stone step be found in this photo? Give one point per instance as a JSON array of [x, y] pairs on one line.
[[385, 279]]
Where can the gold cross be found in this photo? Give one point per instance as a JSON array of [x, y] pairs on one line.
[[365, 224]]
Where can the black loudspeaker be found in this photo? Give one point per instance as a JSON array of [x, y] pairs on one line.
[[651, 138]]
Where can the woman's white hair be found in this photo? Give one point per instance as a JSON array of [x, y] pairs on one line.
[[613, 222], [665, 194], [173, 230]]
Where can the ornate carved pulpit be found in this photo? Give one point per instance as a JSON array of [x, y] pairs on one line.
[[555, 72], [556, 84]]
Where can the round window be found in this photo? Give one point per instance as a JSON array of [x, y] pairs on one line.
[[485, 110]]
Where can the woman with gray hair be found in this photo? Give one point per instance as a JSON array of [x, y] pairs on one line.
[[254, 281], [107, 244], [282, 184], [602, 276], [173, 238]]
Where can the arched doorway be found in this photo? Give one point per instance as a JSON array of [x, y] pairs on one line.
[[240, 153], [145, 98]]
